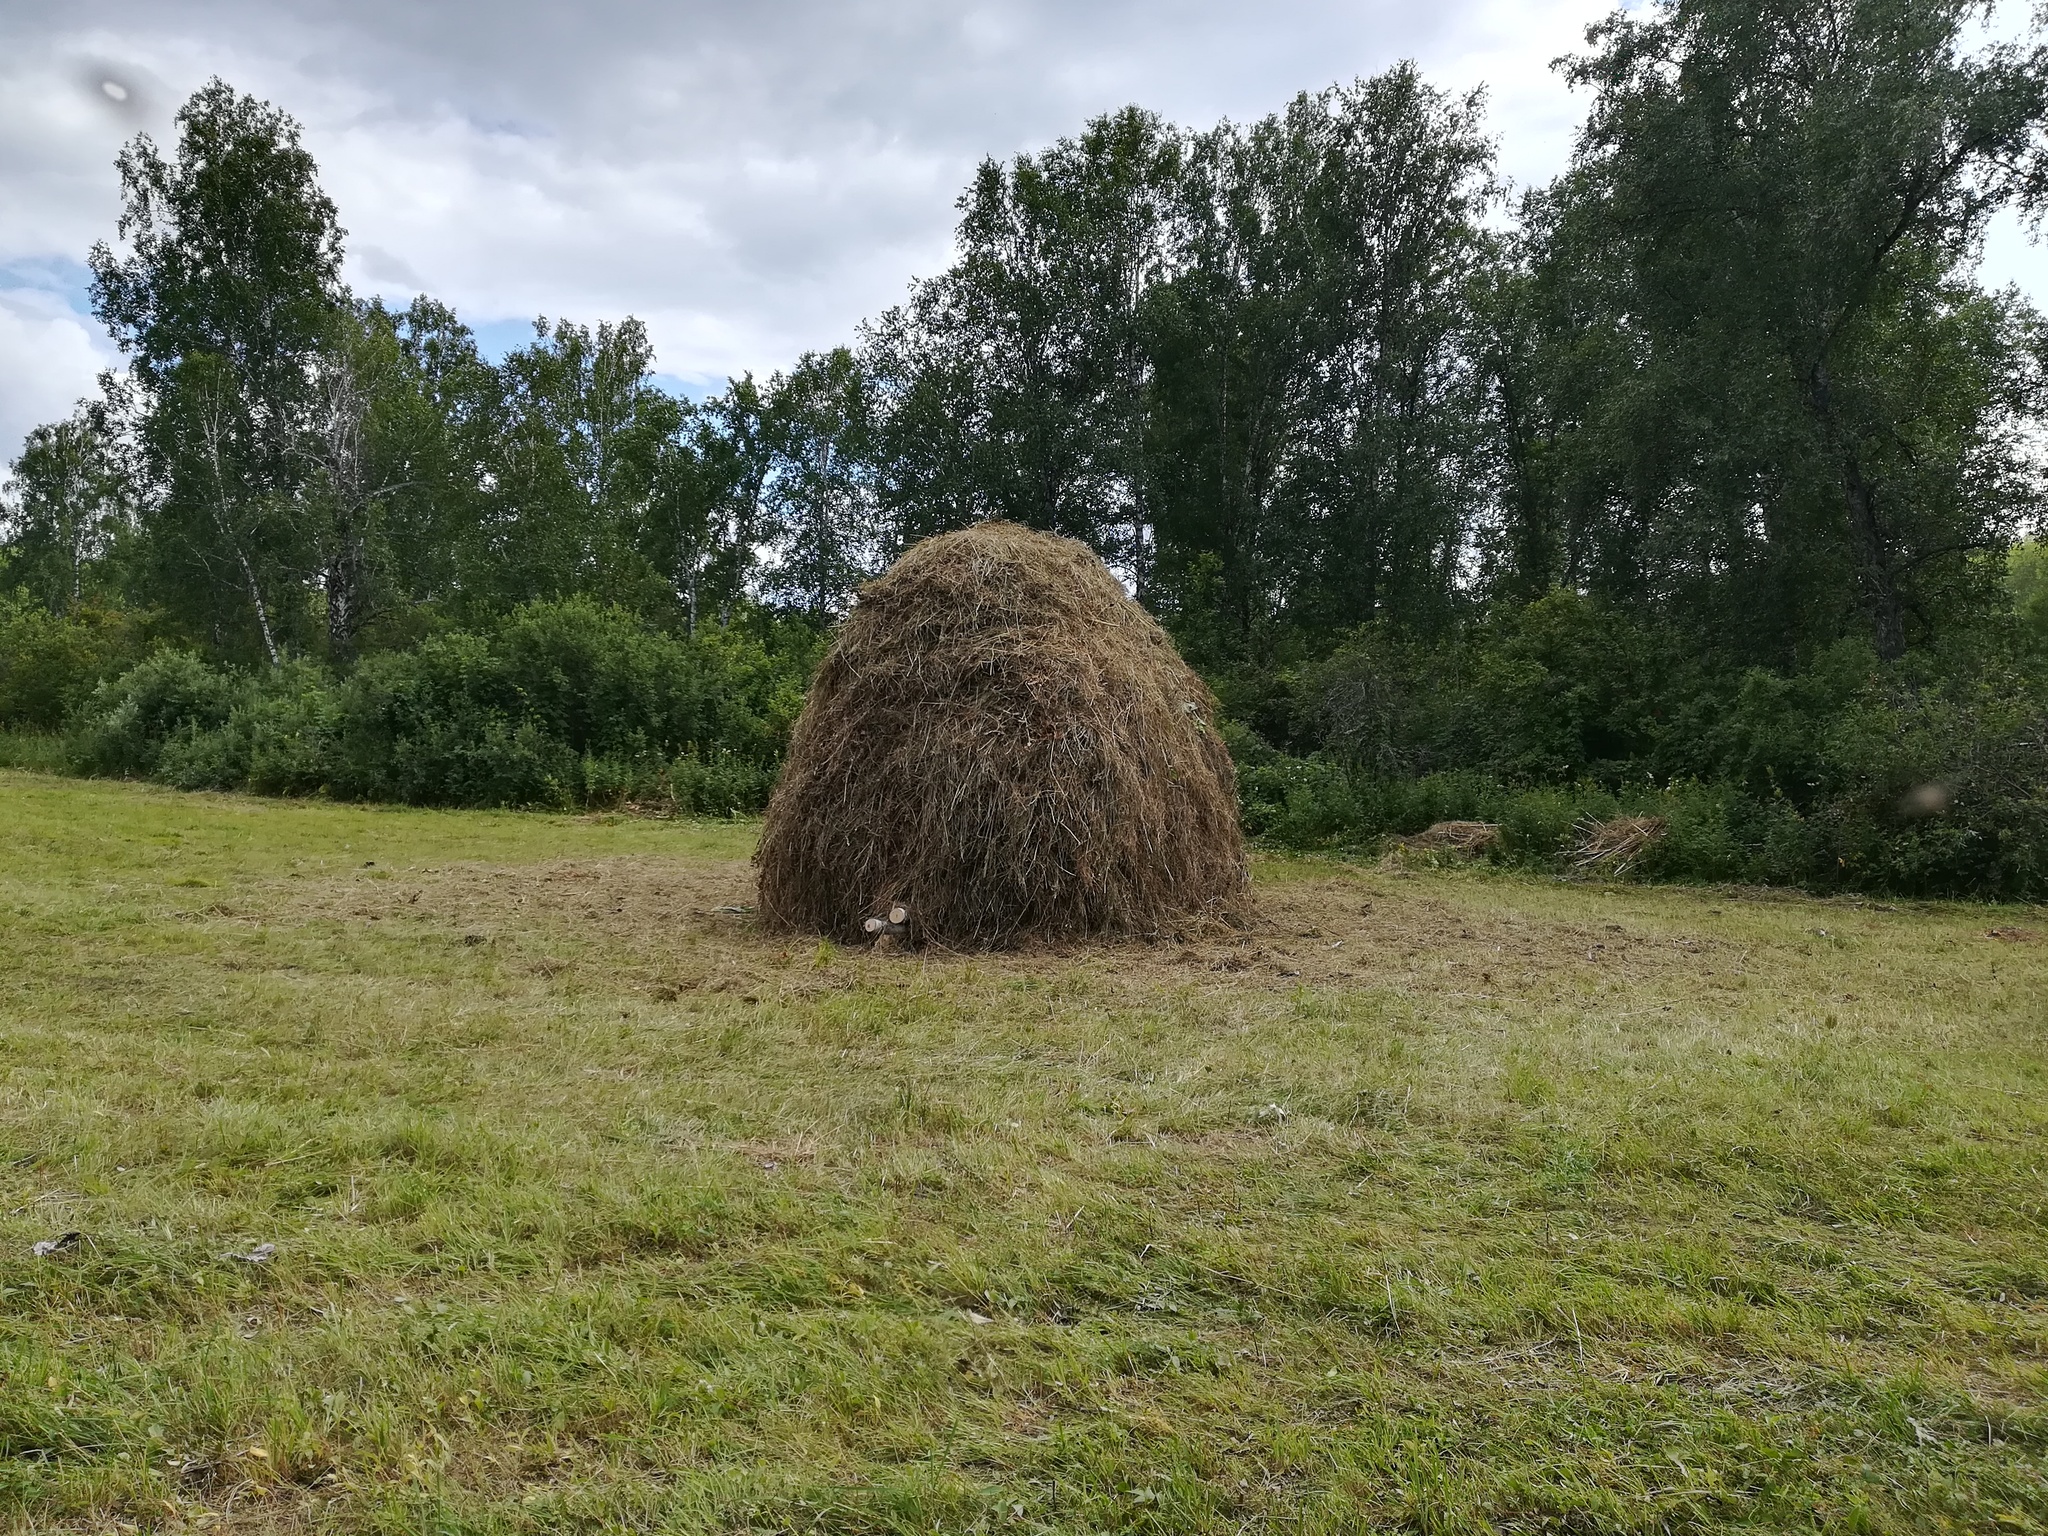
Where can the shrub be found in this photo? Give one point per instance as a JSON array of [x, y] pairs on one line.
[[1944, 784], [1988, 846], [1536, 825], [50, 664], [565, 704], [162, 704], [37, 751], [1302, 803], [720, 784], [562, 705], [1927, 776], [2027, 580]]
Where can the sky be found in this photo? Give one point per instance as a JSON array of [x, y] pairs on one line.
[[749, 177]]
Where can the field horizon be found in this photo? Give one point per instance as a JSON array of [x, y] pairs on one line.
[[401, 1170]]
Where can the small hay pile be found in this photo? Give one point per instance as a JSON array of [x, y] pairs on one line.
[[1006, 745], [1470, 838], [1444, 840], [1615, 845]]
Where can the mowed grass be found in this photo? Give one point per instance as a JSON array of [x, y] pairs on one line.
[[1443, 1202]]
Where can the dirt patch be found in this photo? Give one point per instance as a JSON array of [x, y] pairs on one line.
[[670, 929]]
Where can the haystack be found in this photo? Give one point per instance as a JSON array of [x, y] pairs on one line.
[[1007, 747]]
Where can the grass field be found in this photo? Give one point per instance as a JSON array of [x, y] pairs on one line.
[[1445, 1201]]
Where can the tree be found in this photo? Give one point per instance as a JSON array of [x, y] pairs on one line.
[[352, 467], [70, 495], [1316, 412], [2027, 580], [389, 486], [1237, 363], [435, 427], [819, 494], [223, 303], [735, 458], [1014, 384], [578, 438], [1803, 409]]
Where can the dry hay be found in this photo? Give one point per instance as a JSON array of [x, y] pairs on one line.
[[1004, 743], [1470, 838], [1616, 844]]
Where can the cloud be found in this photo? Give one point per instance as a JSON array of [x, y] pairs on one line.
[[382, 269], [49, 358]]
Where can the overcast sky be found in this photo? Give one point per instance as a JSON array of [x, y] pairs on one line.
[[750, 177]]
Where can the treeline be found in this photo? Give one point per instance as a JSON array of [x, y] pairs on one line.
[[1702, 476]]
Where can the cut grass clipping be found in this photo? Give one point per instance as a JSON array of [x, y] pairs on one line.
[[1007, 747], [466, 1172]]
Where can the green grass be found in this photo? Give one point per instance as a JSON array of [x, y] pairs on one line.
[[39, 751], [1446, 1202]]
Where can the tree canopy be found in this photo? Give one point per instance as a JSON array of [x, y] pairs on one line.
[[1422, 475]]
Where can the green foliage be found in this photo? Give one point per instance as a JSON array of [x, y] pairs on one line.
[[223, 300], [2027, 580], [69, 502], [170, 703], [1013, 385], [1557, 689], [1909, 778], [819, 506], [1315, 427], [49, 662], [1753, 381], [562, 705], [36, 751], [1691, 490]]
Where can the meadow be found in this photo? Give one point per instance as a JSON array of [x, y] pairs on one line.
[[472, 1172]]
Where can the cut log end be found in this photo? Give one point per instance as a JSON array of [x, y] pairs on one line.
[[891, 932]]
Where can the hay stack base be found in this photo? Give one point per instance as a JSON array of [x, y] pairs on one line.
[[1005, 746]]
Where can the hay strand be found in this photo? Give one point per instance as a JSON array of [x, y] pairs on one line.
[[1615, 845], [1003, 746], [1466, 837]]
